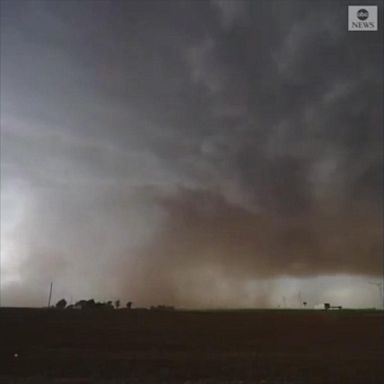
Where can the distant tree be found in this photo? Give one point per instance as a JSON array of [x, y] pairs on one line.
[[129, 304], [304, 303], [117, 304], [81, 304], [85, 304], [91, 303], [61, 304]]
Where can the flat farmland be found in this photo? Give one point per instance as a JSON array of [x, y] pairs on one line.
[[142, 346]]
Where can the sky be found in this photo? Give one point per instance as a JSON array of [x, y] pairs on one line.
[[202, 154]]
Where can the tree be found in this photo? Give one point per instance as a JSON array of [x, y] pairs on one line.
[[117, 304], [129, 304], [61, 304]]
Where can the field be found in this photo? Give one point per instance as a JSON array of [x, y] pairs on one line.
[[139, 346]]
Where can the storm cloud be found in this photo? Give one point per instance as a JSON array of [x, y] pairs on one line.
[[189, 153]]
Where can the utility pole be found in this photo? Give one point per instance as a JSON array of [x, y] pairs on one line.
[[50, 295]]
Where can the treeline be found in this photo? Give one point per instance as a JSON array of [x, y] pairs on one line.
[[91, 304], [108, 305]]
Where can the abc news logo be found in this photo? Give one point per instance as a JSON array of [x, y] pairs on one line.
[[362, 18]]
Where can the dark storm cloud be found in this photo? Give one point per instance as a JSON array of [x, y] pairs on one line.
[[145, 142]]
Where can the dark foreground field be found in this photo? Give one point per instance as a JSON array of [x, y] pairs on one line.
[[291, 347]]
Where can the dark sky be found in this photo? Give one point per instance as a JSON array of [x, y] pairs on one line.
[[196, 153]]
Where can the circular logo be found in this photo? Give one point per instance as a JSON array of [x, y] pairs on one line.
[[362, 14]]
